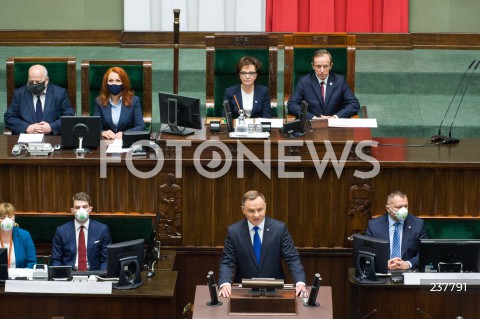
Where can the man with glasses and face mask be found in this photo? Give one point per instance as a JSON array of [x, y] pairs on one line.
[[82, 242], [37, 106], [327, 94], [401, 229]]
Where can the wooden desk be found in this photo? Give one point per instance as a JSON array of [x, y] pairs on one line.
[[202, 311], [399, 301], [156, 298]]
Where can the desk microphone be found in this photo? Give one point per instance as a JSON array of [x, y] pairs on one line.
[[423, 312], [212, 289], [450, 139], [440, 137]]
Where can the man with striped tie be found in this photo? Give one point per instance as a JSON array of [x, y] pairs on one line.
[[254, 248], [401, 229]]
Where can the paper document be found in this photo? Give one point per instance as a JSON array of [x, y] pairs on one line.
[[20, 272], [116, 147], [30, 138], [352, 123]]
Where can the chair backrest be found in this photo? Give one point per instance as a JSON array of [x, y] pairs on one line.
[[223, 52], [300, 47], [139, 73], [61, 72]]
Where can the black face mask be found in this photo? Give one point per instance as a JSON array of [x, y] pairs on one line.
[[36, 89]]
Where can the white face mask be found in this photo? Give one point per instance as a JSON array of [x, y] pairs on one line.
[[81, 214], [7, 224], [401, 214]]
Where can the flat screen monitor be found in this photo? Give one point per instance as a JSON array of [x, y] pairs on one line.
[[81, 133], [449, 255], [181, 113], [3, 264], [370, 257], [125, 261]]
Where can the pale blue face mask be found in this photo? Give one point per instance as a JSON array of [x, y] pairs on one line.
[[81, 214], [7, 224]]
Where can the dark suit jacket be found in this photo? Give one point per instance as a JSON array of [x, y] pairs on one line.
[[276, 244], [340, 100], [413, 231], [21, 112], [131, 117], [261, 101], [25, 255], [64, 248]]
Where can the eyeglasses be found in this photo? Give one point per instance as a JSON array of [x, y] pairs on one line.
[[243, 73]]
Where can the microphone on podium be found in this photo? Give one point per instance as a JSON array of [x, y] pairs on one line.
[[440, 138], [450, 139]]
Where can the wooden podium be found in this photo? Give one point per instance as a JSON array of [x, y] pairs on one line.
[[242, 300]]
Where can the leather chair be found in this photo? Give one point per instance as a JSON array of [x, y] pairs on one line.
[[223, 52], [139, 72]]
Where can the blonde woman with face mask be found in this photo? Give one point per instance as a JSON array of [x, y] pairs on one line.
[[18, 242]]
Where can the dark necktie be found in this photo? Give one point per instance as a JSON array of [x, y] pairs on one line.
[[257, 244], [396, 241], [38, 110], [82, 251], [322, 89]]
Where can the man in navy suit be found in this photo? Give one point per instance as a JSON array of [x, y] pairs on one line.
[[327, 94], [96, 237], [240, 256], [410, 227], [38, 106]]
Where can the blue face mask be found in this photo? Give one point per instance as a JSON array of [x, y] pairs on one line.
[[115, 89]]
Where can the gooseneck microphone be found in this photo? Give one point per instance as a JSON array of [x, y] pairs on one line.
[[312, 299], [440, 137], [450, 139], [212, 288]]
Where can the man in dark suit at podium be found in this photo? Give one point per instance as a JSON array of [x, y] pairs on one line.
[[82, 242], [255, 246], [401, 229]]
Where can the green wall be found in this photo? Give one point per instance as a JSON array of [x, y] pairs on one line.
[[61, 15], [431, 16], [425, 15]]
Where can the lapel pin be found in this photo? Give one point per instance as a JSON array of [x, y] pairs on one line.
[[268, 229]]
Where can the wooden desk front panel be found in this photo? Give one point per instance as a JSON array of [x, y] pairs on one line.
[[156, 297]]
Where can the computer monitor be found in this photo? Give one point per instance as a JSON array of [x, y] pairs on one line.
[[125, 260], [181, 113], [80, 132], [3, 264], [449, 255], [370, 256]]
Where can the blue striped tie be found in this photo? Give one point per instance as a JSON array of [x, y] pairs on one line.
[[257, 244], [396, 241]]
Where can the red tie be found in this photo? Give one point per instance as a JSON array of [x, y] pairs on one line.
[[82, 251], [322, 90]]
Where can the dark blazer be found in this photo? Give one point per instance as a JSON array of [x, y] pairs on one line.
[[340, 100], [261, 101], [238, 255], [64, 248], [413, 231], [25, 255], [131, 117], [21, 112]]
